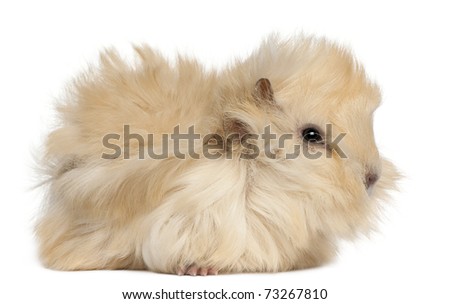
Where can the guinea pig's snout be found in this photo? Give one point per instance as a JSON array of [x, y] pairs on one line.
[[371, 178]]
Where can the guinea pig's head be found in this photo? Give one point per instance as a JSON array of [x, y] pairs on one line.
[[316, 104]]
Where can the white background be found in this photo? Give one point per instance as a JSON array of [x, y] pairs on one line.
[[404, 47]]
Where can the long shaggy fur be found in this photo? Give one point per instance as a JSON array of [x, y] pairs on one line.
[[230, 215]]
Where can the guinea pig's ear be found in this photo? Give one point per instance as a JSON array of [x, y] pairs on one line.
[[237, 122], [233, 125], [263, 93]]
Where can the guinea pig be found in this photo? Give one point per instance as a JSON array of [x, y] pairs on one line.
[[262, 166]]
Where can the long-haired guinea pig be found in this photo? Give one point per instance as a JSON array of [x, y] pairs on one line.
[[260, 167]]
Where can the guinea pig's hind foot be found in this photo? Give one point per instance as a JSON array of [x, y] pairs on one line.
[[194, 270]]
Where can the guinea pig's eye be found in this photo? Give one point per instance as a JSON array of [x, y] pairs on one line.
[[312, 135]]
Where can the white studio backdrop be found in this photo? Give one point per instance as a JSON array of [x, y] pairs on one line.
[[403, 45]]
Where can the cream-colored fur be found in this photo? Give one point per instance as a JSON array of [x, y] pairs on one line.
[[230, 215]]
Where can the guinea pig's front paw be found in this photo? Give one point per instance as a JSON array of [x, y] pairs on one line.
[[194, 270]]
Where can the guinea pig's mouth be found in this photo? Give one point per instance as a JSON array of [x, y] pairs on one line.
[[370, 181]]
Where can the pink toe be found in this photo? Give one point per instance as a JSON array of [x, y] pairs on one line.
[[192, 271], [181, 271], [213, 271]]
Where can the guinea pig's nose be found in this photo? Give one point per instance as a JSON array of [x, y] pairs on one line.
[[371, 179]]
